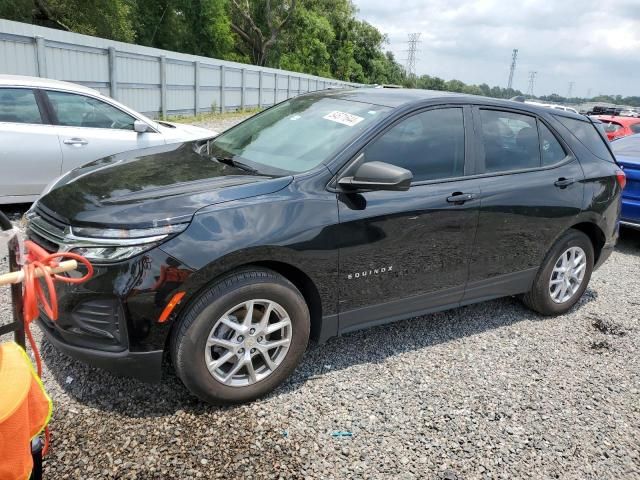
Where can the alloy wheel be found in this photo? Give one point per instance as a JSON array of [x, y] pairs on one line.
[[567, 274], [248, 342]]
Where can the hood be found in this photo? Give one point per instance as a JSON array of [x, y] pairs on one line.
[[183, 132], [150, 187]]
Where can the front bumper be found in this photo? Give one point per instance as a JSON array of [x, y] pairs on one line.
[[145, 366]]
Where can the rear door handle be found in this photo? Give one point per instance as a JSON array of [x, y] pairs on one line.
[[563, 182], [75, 141], [458, 198]]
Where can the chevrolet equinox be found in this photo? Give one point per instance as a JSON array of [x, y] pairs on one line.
[[324, 214]]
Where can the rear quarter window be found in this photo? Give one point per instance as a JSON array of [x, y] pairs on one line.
[[588, 135]]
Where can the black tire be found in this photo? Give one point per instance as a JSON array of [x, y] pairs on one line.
[[539, 298], [190, 335]]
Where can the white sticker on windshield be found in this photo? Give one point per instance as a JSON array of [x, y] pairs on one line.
[[344, 118]]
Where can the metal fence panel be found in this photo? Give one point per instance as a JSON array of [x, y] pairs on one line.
[[150, 80]]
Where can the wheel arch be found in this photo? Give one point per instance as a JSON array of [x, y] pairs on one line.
[[595, 234], [301, 279]]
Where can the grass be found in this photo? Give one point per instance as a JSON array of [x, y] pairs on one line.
[[213, 116]]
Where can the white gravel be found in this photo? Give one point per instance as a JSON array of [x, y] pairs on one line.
[[486, 391]]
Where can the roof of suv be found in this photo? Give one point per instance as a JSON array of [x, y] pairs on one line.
[[391, 97], [25, 81]]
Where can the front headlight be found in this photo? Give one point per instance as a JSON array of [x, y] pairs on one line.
[[103, 245], [109, 254]]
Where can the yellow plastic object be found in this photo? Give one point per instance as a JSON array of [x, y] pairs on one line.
[[25, 409]]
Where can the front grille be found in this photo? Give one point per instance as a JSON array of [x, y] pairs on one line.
[[45, 230]]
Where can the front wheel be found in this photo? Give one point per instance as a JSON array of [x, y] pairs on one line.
[[242, 337], [563, 276]]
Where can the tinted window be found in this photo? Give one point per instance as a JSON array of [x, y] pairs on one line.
[[296, 135], [429, 144], [18, 105], [79, 111], [510, 141], [552, 150], [588, 135], [635, 128]]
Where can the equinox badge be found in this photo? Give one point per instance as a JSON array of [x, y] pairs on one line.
[[366, 273]]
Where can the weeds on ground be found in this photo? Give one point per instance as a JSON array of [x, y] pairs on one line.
[[213, 116]]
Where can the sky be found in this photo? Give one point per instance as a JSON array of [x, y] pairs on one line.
[[593, 43]]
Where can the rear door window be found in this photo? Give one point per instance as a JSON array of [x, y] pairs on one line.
[[18, 105], [552, 151], [510, 141], [635, 128]]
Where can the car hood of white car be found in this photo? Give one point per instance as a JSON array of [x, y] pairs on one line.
[[182, 132]]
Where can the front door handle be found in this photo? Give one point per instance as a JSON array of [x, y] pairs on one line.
[[563, 182], [458, 198], [75, 141]]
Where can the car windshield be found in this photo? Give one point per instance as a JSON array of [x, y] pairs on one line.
[[295, 136]]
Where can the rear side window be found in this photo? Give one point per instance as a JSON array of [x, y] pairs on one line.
[[552, 151], [429, 144], [510, 141], [18, 105], [75, 110], [635, 128], [587, 134]]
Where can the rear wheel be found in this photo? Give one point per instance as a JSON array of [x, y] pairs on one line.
[[563, 276], [242, 337]]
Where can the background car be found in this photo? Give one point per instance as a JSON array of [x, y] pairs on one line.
[[627, 152], [617, 126], [48, 127]]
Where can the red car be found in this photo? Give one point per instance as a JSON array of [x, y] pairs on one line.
[[617, 127]]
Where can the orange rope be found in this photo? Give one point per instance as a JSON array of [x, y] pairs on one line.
[[34, 295]]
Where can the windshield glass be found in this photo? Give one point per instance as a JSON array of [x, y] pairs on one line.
[[297, 135]]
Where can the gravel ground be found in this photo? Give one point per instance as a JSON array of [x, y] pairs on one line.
[[485, 391]]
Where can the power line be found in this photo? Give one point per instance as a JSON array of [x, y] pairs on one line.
[[414, 40], [532, 81], [570, 90], [514, 57]]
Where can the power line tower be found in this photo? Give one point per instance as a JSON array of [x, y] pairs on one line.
[[414, 40], [570, 90], [514, 57], [532, 81]]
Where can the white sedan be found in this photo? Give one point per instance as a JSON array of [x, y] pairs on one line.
[[48, 127]]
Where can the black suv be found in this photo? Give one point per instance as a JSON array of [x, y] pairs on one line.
[[324, 214]]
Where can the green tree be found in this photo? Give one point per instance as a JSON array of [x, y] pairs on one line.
[[258, 25]]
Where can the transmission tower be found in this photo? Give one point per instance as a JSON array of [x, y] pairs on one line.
[[514, 57], [414, 40], [570, 90], [532, 81]]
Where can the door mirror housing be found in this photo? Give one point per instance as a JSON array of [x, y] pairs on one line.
[[140, 126], [378, 176]]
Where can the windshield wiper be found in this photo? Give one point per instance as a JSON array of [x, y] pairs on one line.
[[235, 163]]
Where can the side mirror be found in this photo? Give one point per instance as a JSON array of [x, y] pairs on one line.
[[378, 176], [140, 126]]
